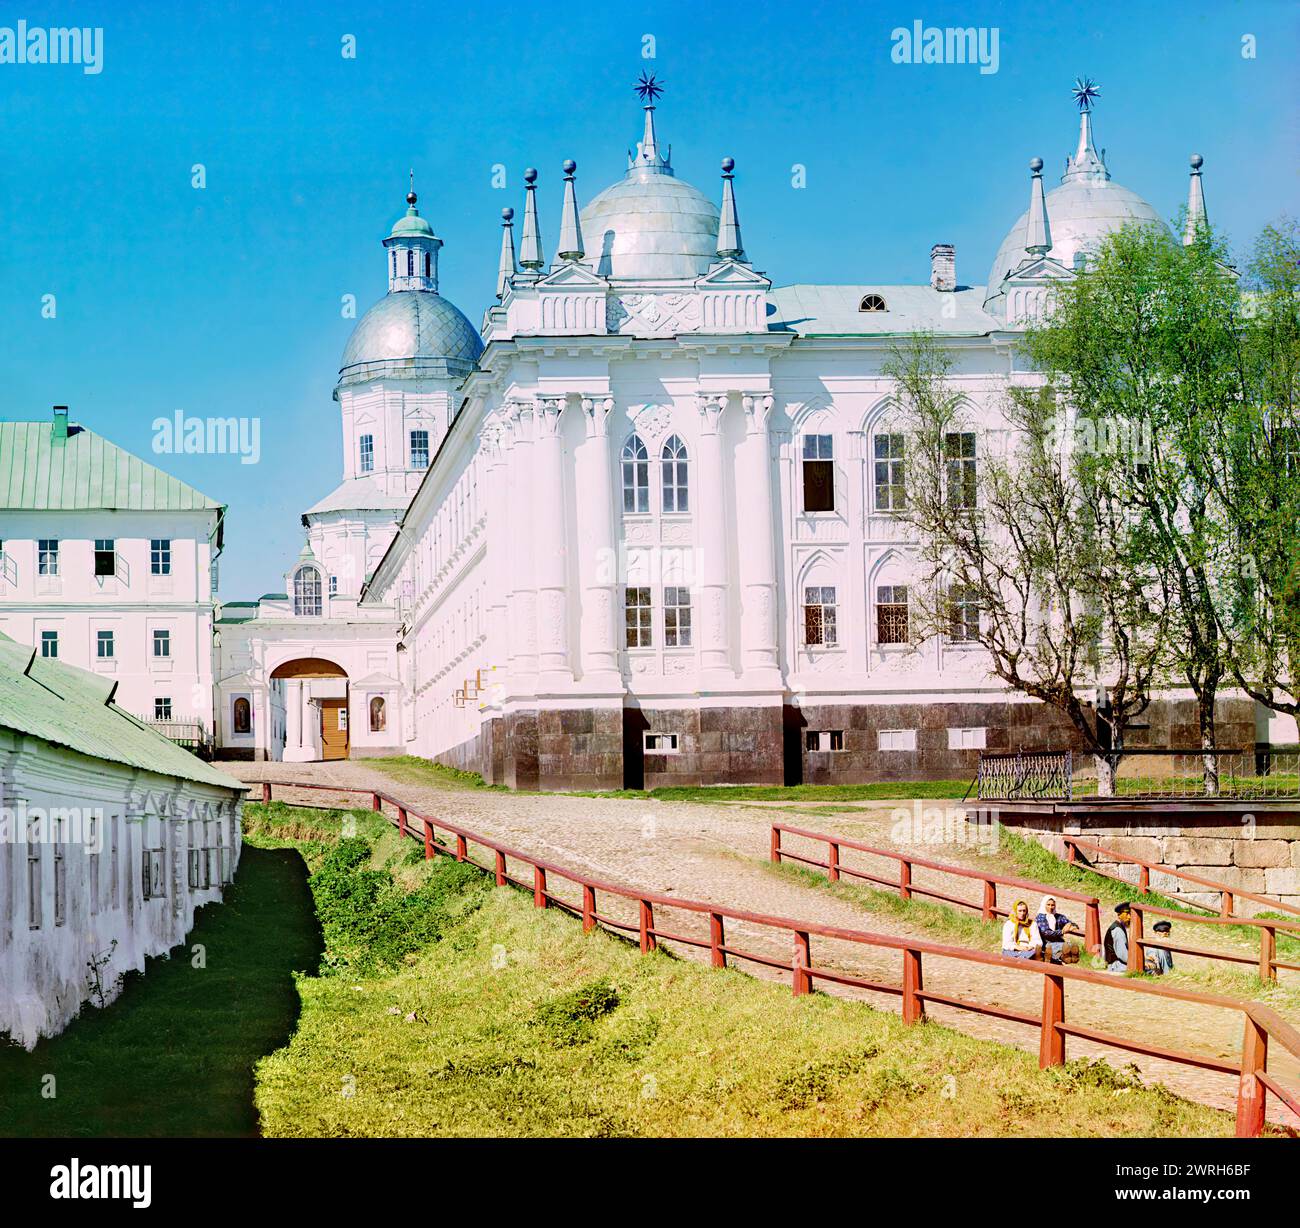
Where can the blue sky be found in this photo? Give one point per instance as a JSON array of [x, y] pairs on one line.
[[226, 300]]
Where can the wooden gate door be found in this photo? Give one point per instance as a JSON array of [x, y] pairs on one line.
[[334, 728]]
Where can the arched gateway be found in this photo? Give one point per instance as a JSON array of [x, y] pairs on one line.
[[316, 709]]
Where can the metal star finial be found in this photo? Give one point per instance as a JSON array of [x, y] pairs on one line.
[[648, 88], [1085, 92]]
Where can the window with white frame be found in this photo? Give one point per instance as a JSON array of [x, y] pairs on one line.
[[49, 643], [638, 611], [162, 642], [819, 615], [675, 465], [94, 853], [34, 876], [104, 645], [636, 476], [334, 586], [162, 708], [959, 461], [963, 614], [891, 614], [661, 743], [47, 557], [419, 449], [160, 556], [818, 473], [677, 616], [966, 739], [105, 556], [152, 859], [889, 456], [367, 453], [200, 871], [896, 739], [306, 592], [824, 739], [224, 859], [59, 834]]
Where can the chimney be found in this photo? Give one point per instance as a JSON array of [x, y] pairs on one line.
[[60, 430], [943, 266]]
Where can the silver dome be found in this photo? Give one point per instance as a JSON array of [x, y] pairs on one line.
[[650, 225], [414, 333]]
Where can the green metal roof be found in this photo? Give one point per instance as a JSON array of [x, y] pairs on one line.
[[84, 471], [58, 703]]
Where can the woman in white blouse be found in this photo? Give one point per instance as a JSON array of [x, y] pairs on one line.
[[1020, 936]]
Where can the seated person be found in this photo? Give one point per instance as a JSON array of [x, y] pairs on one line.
[[1020, 937], [1114, 947], [1053, 927], [1159, 961]]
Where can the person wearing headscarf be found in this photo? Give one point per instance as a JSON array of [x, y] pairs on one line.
[[1160, 961], [1114, 947], [1020, 937], [1053, 928]]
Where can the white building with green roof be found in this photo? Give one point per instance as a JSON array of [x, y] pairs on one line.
[[107, 563]]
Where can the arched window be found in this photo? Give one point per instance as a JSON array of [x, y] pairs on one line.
[[872, 302], [675, 464], [636, 476], [242, 714], [378, 714], [306, 592], [410, 263]]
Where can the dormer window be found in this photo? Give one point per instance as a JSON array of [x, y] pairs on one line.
[[306, 593], [872, 302]]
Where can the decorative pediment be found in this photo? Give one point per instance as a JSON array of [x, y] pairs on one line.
[[1040, 268], [732, 273], [571, 275]]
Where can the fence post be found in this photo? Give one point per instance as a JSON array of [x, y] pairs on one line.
[[539, 886], [802, 982], [1135, 963], [1144, 878], [501, 868], [266, 790], [904, 879], [1225, 908], [990, 899], [648, 943], [1071, 852], [1051, 1043], [1267, 952], [717, 940], [833, 868], [776, 844], [588, 908], [461, 849], [375, 803], [913, 983], [401, 821], [1251, 1092], [428, 840], [1092, 926]]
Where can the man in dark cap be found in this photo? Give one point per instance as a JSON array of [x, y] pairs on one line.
[[1115, 944], [1159, 961]]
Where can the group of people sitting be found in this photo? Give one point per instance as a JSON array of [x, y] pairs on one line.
[[1044, 937]]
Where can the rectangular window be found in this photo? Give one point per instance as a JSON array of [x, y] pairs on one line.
[[334, 586], [819, 616], [49, 643], [419, 449], [637, 612], [660, 743], [897, 739], [105, 557], [367, 453], [48, 556], [104, 645], [94, 850], [34, 834], [199, 876], [891, 493], [818, 474], [162, 708], [60, 872], [963, 615], [162, 642], [891, 614], [966, 739], [959, 458], [677, 616], [151, 874], [824, 739], [160, 556]]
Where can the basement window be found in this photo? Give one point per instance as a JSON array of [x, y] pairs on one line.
[[824, 739], [897, 739], [661, 743]]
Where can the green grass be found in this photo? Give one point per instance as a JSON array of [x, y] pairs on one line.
[[413, 770], [174, 1054], [512, 1022]]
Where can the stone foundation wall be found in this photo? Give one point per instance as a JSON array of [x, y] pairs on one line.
[[715, 746], [580, 748]]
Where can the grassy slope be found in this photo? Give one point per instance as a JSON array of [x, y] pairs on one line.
[[174, 1054], [476, 1034]]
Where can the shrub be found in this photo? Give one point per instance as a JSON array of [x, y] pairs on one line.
[[568, 1018]]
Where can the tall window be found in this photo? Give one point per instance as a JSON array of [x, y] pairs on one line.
[[105, 557], [818, 473], [891, 614], [48, 556], [419, 449], [676, 480], [306, 592], [162, 708], [242, 715], [677, 616], [963, 614], [378, 714], [891, 493], [959, 457], [49, 643], [160, 556], [636, 476], [410, 263], [33, 874], [334, 586], [367, 453], [59, 832], [394, 263], [819, 615], [104, 645], [638, 618], [162, 642]]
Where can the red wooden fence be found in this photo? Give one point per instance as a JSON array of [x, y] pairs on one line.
[[1261, 1025]]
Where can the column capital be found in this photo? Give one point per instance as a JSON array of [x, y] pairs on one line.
[[711, 406], [519, 413], [595, 412], [758, 410], [547, 411]]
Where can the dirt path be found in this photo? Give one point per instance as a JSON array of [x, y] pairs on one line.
[[716, 853]]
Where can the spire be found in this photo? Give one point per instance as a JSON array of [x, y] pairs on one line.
[[530, 246], [1038, 232], [729, 244], [648, 157], [1087, 163], [570, 247], [1197, 222], [506, 269]]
